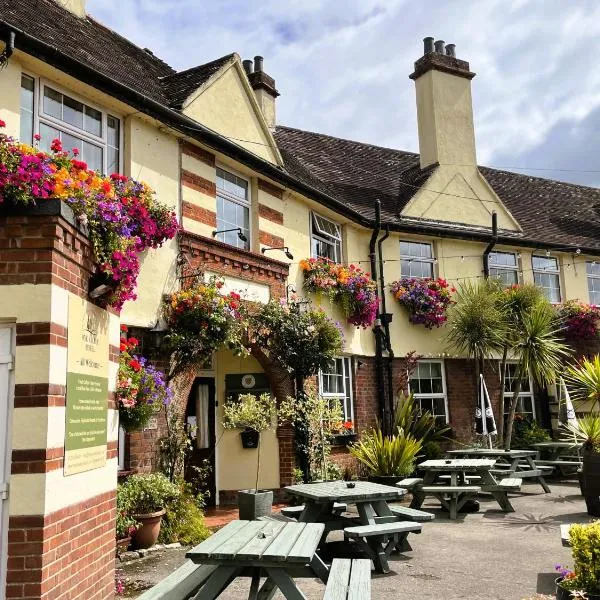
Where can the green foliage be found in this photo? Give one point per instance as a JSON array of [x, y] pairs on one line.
[[301, 341], [431, 450], [386, 455], [184, 519], [586, 431], [148, 493], [250, 411], [585, 380], [422, 425], [585, 547], [175, 446], [126, 524], [527, 432]]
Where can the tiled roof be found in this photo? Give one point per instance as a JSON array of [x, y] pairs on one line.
[[357, 174], [178, 86]]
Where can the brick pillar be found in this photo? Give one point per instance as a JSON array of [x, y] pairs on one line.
[[61, 527]]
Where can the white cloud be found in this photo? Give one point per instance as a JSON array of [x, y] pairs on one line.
[[342, 66]]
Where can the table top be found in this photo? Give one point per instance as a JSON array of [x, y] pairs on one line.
[[562, 444], [260, 542], [497, 452], [337, 491], [458, 464]]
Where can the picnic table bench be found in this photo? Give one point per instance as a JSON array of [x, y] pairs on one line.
[[558, 456], [349, 580]]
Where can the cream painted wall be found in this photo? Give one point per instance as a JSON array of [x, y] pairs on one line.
[[226, 107], [10, 98]]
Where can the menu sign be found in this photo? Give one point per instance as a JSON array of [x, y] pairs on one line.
[[87, 387]]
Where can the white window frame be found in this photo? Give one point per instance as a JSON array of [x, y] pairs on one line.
[[34, 109], [556, 271], [40, 117], [348, 377], [530, 394], [507, 268], [592, 276], [418, 259], [443, 394], [121, 440], [325, 237], [236, 200]]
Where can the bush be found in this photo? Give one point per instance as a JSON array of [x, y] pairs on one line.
[[148, 493], [126, 524], [585, 546], [431, 451], [527, 432], [184, 520]]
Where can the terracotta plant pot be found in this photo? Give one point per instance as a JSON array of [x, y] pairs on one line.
[[123, 544], [147, 533]]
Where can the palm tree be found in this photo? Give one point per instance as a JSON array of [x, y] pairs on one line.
[[539, 351], [585, 379]]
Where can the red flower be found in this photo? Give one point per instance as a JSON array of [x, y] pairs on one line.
[[2, 123], [123, 346], [348, 425], [123, 327], [75, 151], [132, 341], [37, 137], [135, 365], [56, 145]]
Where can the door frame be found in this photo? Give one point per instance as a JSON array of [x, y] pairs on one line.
[[6, 448]]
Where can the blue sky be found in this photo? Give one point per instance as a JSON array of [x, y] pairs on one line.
[[342, 66]]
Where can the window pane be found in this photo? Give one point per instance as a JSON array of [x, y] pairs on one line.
[[112, 164], [73, 112], [92, 155], [231, 215], [544, 263], [47, 134], [508, 259], [27, 88], [593, 268], [92, 122], [113, 133], [326, 227], [52, 103], [70, 141]]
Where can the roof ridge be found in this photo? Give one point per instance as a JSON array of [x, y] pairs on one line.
[[210, 62], [334, 137]]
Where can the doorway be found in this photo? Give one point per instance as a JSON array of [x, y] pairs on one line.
[[7, 340], [200, 420]]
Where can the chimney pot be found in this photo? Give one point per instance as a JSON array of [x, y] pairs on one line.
[[427, 45], [439, 46], [451, 50], [247, 66], [258, 64]]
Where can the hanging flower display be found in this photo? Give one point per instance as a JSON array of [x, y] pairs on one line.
[[200, 319], [122, 216], [141, 388], [426, 300], [581, 321], [350, 287]]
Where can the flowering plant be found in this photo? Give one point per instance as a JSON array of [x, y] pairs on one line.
[[200, 319], [121, 214], [581, 321], [141, 389], [343, 427], [426, 300], [349, 286]]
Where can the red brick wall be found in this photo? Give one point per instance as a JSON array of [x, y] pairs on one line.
[[66, 554]]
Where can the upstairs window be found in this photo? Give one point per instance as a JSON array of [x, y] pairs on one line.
[[326, 238], [546, 275], [504, 266], [233, 209], [416, 260], [428, 386], [593, 279], [335, 383], [93, 132]]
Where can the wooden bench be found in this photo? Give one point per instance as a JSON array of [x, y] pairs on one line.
[[410, 483], [296, 511], [349, 580], [561, 465], [379, 540], [411, 514], [451, 497], [182, 583]]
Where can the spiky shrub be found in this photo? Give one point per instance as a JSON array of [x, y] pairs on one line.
[[386, 455], [421, 424], [584, 379], [586, 431]]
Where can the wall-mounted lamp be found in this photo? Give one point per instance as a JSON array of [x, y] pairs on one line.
[[240, 234], [285, 249]]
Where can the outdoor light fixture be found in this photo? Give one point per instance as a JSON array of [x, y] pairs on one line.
[[285, 249], [239, 233]]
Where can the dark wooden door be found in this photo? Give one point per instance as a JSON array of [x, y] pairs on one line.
[[200, 417]]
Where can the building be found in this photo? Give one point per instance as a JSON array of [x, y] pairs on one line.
[[207, 140]]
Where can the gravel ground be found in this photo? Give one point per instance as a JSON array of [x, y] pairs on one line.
[[488, 554]]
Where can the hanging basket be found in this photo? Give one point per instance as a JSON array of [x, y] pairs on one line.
[[250, 438]]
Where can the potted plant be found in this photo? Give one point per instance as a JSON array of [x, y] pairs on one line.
[[126, 524], [387, 458], [584, 580], [147, 495], [587, 431], [253, 415]]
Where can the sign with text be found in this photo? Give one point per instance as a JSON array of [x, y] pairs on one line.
[[87, 387]]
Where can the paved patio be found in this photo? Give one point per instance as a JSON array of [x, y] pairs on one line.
[[488, 554]]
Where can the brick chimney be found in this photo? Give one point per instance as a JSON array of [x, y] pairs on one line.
[[444, 106], [264, 89], [77, 7]]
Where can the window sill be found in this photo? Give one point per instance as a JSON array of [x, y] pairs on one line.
[[343, 439]]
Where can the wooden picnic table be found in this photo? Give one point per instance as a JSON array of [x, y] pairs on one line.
[[559, 455], [462, 487], [509, 463], [379, 530], [281, 551]]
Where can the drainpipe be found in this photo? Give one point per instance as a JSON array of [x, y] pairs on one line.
[[386, 319], [490, 246], [377, 331], [9, 41]]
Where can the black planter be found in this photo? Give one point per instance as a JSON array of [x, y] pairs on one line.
[[101, 284], [250, 438], [562, 594], [390, 480], [590, 482]]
